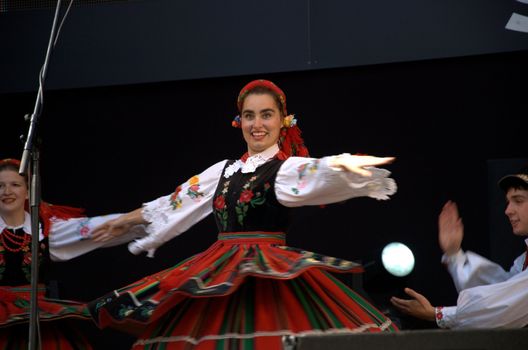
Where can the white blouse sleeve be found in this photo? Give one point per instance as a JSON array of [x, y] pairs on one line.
[[470, 270], [310, 181], [171, 215], [498, 305], [69, 239]]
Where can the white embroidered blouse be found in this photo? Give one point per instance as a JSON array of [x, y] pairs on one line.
[[173, 214], [69, 238]]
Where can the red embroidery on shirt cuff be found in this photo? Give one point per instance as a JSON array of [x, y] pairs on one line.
[[438, 312], [439, 315]]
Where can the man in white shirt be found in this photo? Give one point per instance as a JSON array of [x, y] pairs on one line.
[[489, 296]]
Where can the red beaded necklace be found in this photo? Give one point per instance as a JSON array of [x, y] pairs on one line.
[[20, 242]]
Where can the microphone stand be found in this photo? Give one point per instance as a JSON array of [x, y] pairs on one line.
[[31, 153]]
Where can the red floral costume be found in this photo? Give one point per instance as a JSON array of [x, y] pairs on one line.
[[246, 291], [15, 289]]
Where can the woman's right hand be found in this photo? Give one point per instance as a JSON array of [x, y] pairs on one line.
[[117, 227]]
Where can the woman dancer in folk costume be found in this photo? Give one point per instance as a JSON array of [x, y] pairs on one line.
[[62, 236], [248, 289]]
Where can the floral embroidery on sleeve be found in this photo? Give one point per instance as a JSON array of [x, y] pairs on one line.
[[302, 172], [439, 316], [193, 192], [175, 199], [194, 189], [84, 229], [248, 197]]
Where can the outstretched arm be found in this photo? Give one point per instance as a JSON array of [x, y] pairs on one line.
[[72, 237], [119, 226], [167, 216], [450, 234], [315, 181]]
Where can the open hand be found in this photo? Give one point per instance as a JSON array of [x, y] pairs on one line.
[[357, 164], [418, 307], [119, 226], [450, 229], [110, 229]]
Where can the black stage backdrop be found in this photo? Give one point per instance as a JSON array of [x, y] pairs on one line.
[[109, 149]]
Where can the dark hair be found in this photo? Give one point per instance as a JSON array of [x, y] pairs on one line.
[[517, 185], [518, 181], [262, 90]]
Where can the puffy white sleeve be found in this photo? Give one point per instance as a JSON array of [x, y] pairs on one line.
[[311, 181], [498, 305], [171, 215], [69, 239], [469, 269]]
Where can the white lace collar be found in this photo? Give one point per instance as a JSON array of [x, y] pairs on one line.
[[252, 163], [26, 226]]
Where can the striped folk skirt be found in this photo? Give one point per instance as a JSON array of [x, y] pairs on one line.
[[246, 291], [55, 330]]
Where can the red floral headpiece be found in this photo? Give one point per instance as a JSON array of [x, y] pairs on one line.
[[47, 210], [290, 140], [262, 83]]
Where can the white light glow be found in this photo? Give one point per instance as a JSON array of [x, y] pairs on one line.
[[397, 259]]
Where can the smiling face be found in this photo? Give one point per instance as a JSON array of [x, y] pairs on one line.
[[517, 210], [261, 122], [13, 193]]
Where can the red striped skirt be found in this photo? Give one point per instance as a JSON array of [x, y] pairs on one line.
[[55, 332], [246, 291]]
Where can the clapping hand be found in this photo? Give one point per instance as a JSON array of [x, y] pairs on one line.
[[450, 229]]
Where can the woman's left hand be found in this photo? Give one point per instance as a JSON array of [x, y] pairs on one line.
[[357, 163]]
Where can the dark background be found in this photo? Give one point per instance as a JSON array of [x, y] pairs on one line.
[[117, 42], [140, 96]]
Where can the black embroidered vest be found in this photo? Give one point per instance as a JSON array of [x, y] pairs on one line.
[[247, 202]]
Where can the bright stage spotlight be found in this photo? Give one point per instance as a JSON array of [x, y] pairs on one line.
[[397, 259]]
